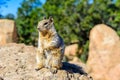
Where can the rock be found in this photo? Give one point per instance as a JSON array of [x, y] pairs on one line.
[[17, 62], [8, 31], [104, 53], [71, 51], [78, 62]]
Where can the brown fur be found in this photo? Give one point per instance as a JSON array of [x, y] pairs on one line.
[[46, 36], [49, 56]]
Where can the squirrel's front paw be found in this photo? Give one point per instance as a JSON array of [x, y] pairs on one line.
[[38, 67], [53, 70]]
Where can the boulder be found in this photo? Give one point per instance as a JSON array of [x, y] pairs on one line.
[[71, 51], [17, 62], [8, 31], [104, 53]]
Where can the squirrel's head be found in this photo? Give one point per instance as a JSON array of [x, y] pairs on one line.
[[45, 24]]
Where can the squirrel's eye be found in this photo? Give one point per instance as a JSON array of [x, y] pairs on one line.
[[45, 23]]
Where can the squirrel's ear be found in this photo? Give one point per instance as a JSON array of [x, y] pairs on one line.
[[50, 19], [44, 17]]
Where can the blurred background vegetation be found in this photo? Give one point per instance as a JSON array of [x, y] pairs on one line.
[[73, 19]]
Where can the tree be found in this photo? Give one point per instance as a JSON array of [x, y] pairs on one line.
[[27, 19], [10, 16], [73, 19]]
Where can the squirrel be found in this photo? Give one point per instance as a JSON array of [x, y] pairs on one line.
[[51, 46]]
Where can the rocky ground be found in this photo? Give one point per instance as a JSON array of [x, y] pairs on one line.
[[17, 62]]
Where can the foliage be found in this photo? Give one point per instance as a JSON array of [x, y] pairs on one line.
[[10, 16], [73, 19], [27, 18]]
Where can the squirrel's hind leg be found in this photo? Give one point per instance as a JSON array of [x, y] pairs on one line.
[[40, 59], [56, 62]]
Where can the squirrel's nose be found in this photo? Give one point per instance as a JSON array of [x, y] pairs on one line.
[[38, 28]]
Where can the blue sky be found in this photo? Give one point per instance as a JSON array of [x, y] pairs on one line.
[[11, 6]]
